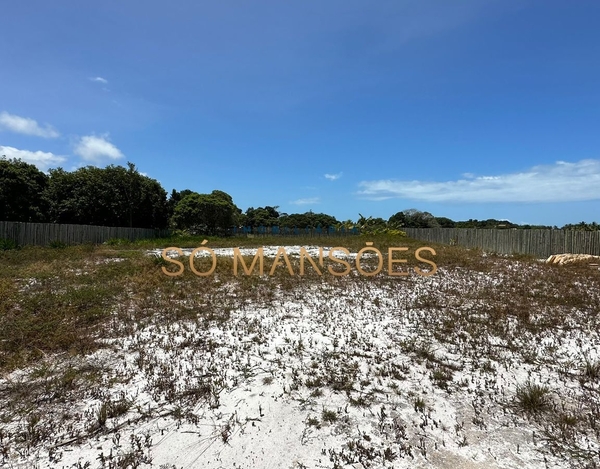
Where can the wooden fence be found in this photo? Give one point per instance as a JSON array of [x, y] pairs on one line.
[[540, 243], [42, 234]]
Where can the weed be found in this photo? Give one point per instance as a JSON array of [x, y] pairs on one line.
[[111, 409], [313, 422], [7, 244], [419, 404], [389, 455], [57, 244], [329, 416], [533, 397], [488, 367], [117, 242], [441, 377], [591, 370], [267, 380], [187, 340]]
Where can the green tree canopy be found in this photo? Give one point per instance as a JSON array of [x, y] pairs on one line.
[[174, 199], [211, 214], [489, 224], [261, 216], [445, 222], [111, 196], [413, 218], [397, 220], [307, 220], [582, 226], [21, 191]]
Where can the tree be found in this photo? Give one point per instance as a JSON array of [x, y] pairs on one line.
[[376, 226], [490, 223], [210, 214], [21, 191], [397, 220], [347, 225], [445, 222], [582, 226], [111, 196], [262, 216], [417, 219], [151, 207], [307, 220], [238, 216], [174, 199], [370, 224]]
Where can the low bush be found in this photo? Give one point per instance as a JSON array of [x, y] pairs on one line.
[[7, 244]]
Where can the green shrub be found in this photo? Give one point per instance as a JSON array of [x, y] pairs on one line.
[[591, 370], [533, 397], [382, 231], [7, 244], [329, 416], [117, 241], [57, 244]]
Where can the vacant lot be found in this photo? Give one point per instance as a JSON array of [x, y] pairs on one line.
[[491, 362]]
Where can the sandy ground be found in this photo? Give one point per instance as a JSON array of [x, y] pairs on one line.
[[326, 376]]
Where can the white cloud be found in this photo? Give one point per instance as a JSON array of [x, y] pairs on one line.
[[559, 182], [308, 201], [25, 125], [95, 149], [43, 160], [333, 177], [104, 81]]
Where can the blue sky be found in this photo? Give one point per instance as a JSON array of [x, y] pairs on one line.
[[466, 109]]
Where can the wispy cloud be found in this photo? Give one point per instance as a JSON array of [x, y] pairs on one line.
[[333, 177], [26, 126], [558, 182], [43, 160], [96, 149], [307, 201], [104, 81]]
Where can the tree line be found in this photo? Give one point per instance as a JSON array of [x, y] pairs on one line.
[[122, 196]]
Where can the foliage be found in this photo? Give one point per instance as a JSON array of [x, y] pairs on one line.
[[121, 196], [111, 196], [418, 219], [117, 242], [377, 226], [21, 188], [489, 223], [445, 222], [582, 226], [211, 214], [57, 244], [397, 220], [533, 397], [174, 199], [413, 218], [307, 220], [261, 216], [7, 244]]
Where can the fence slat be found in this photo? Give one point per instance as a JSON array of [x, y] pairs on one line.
[[540, 243], [42, 234]]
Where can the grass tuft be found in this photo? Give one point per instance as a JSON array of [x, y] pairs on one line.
[[532, 397]]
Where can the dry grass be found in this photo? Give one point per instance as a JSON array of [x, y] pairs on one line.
[[58, 306]]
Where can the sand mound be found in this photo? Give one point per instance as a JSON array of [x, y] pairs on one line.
[[571, 258]]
